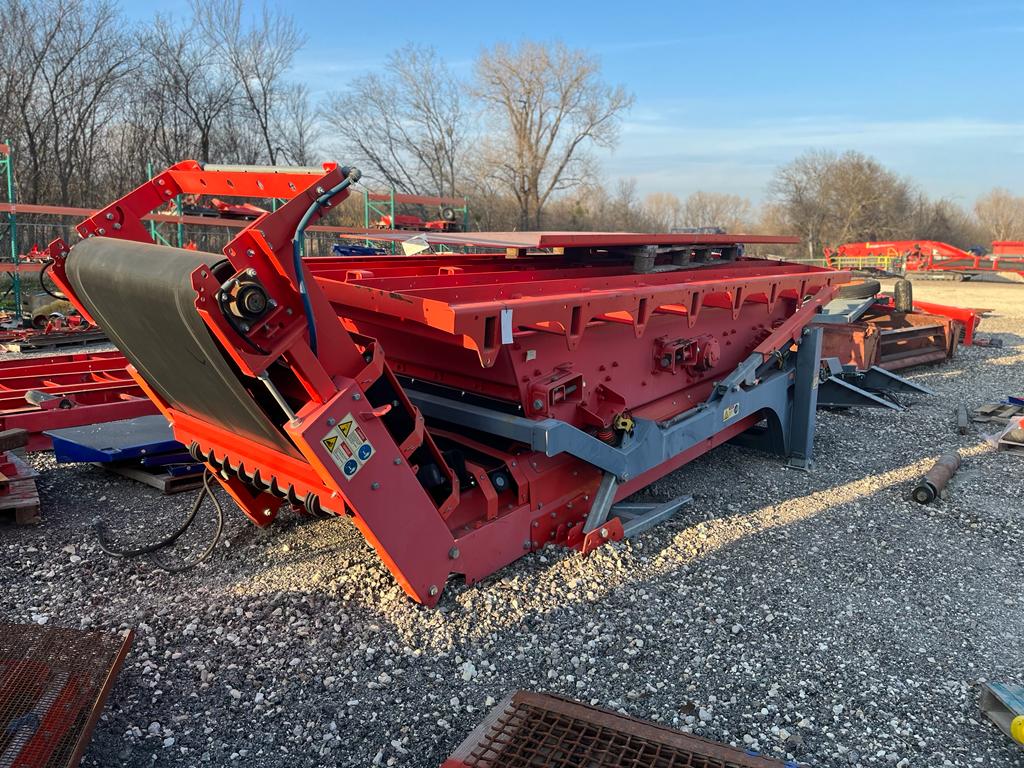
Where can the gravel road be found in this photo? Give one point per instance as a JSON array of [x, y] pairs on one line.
[[819, 616]]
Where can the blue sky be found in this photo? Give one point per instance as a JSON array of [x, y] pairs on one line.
[[725, 92]]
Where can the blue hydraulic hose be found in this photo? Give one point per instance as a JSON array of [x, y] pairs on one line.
[[298, 241]]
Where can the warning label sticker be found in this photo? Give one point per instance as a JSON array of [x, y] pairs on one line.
[[731, 412], [348, 446]]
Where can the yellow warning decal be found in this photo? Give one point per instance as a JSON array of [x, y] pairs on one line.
[[730, 412], [348, 446]]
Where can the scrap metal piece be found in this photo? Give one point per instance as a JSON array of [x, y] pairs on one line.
[[963, 421], [934, 482], [536, 729], [53, 685]]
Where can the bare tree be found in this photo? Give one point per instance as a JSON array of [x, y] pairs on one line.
[[186, 81], [257, 56], [830, 199], [75, 58], [1001, 215], [715, 209], [408, 124], [298, 127], [665, 210], [548, 104]]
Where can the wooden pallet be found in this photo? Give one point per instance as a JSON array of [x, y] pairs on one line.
[[162, 481], [1000, 414], [19, 497]]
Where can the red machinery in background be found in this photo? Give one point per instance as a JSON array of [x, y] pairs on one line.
[[1008, 247], [462, 409], [905, 256]]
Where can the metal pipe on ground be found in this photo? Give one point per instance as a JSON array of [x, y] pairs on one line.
[[934, 482]]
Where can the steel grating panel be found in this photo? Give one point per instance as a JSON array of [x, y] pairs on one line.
[[53, 685], [532, 730]]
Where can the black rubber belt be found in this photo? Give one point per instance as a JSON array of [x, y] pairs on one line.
[[141, 294]]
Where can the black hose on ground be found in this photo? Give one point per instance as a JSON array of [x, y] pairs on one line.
[[149, 549]]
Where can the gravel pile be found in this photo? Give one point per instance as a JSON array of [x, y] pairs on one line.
[[817, 616]]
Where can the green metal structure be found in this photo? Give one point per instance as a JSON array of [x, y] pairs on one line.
[[377, 205], [7, 165]]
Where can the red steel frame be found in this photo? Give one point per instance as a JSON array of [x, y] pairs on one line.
[[572, 335], [929, 256], [77, 389]]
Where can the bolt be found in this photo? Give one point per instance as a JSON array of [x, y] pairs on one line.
[[604, 533], [272, 303], [357, 396], [433, 590], [526, 544], [453, 553], [319, 190], [160, 182], [110, 217], [288, 311], [538, 404], [397, 462], [374, 486], [250, 253], [250, 272], [666, 361], [535, 524], [244, 327], [103, 231], [117, 225], [266, 512], [204, 274], [331, 421]]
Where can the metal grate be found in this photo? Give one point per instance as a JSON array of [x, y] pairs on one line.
[[532, 730], [53, 684]]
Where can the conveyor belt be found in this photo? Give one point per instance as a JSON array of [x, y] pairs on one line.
[[142, 295]]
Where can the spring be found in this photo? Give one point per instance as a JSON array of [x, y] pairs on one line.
[[606, 435]]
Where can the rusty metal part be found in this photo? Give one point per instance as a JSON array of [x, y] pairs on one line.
[[535, 729], [933, 483], [53, 685]]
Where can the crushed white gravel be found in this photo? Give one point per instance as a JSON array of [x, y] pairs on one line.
[[819, 616]]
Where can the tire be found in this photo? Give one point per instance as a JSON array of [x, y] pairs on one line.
[[863, 289]]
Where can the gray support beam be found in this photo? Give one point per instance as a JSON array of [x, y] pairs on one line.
[[805, 399], [602, 505]]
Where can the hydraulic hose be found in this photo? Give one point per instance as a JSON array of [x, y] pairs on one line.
[[156, 546], [298, 241], [42, 282]]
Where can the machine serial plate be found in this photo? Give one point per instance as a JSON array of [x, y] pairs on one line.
[[348, 446]]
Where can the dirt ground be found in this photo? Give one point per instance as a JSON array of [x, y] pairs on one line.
[[821, 617]]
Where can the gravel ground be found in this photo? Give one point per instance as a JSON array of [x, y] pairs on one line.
[[819, 616]]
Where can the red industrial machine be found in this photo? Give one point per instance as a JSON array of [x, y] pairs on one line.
[[1008, 248], [447, 223], [58, 391], [905, 256], [462, 409]]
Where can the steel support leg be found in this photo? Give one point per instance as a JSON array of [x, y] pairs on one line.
[[637, 518], [805, 400], [602, 505]]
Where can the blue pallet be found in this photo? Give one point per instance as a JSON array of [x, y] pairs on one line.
[[115, 440]]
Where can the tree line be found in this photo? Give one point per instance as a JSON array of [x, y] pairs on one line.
[[90, 101]]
